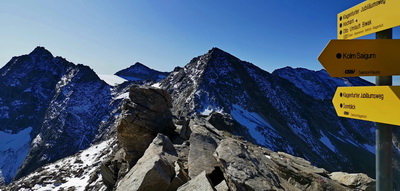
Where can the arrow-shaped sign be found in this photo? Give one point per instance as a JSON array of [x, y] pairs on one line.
[[370, 103], [368, 17], [346, 58]]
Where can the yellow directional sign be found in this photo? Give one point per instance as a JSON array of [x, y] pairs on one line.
[[370, 103], [368, 17], [346, 58]]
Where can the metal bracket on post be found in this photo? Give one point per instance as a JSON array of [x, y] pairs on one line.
[[384, 173]]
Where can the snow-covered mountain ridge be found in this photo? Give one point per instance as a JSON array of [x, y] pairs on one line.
[[57, 107]]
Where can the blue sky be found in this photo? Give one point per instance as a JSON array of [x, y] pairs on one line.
[[112, 35]]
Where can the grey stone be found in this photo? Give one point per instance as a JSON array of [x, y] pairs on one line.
[[180, 178], [155, 170], [357, 181], [144, 115], [222, 186], [108, 176], [248, 167], [243, 171], [200, 182], [201, 154]]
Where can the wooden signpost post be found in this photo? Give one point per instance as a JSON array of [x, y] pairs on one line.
[[345, 58]]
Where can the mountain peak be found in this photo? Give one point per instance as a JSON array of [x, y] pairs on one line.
[[139, 71], [217, 51], [138, 64], [41, 51]]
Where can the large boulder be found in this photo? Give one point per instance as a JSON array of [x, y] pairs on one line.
[[200, 182], [357, 181], [243, 171], [155, 170], [201, 153], [144, 114]]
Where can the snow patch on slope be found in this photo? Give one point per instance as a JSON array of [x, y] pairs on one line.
[[324, 139], [87, 161], [13, 150], [123, 96], [250, 120], [209, 109]]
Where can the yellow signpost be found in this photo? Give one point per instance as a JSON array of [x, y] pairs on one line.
[[370, 103], [378, 58], [346, 58], [368, 17]]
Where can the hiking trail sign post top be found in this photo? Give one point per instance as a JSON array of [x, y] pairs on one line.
[[347, 58], [368, 17], [370, 103]]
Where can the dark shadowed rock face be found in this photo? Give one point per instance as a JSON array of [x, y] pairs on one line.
[[56, 105], [145, 114]]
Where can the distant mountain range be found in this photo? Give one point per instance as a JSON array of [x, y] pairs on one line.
[[51, 109]]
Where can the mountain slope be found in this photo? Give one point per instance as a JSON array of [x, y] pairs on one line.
[[56, 107], [140, 72], [277, 113], [317, 84], [27, 84]]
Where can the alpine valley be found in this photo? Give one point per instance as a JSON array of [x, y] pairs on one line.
[[218, 123]]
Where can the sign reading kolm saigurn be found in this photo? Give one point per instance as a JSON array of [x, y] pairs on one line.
[[347, 58], [368, 17]]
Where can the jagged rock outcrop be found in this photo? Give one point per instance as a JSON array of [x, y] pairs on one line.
[[155, 170], [144, 115], [248, 166], [214, 159]]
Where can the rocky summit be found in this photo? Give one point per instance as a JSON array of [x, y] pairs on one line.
[[218, 123], [211, 159], [144, 115]]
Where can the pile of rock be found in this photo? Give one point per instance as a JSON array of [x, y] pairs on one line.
[[201, 156]]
